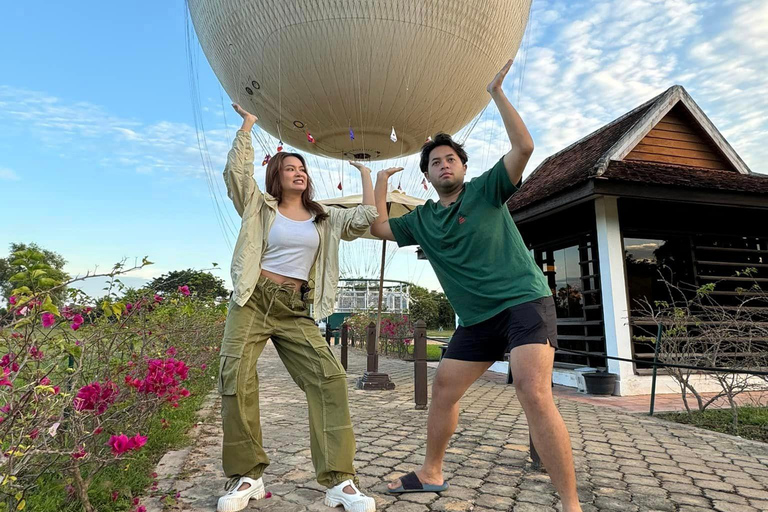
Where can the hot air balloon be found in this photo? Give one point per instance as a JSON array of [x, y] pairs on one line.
[[368, 67]]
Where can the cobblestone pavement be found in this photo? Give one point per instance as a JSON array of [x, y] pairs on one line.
[[624, 462]]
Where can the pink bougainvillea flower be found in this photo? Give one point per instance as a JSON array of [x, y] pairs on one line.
[[4, 378], [77, 319], [45, 381], [9, 361], [96, 397], [141, 508], [12, 300], [137, 441], [34, 433], [48, 319], [122, 443], [115, 495], [119, 444], [128, 307], [171, 351], [35, 353], [158, 298], [98, 431], [203, 366], [80, 453], [87, 310], [67, 312], [6, 408], [184, 290]]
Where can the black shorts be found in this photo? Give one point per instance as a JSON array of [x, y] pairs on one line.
[[526, 323]]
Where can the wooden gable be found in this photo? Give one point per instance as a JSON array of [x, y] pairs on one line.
[[678, 139]]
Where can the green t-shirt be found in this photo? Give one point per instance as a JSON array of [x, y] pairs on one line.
[[475, 248]]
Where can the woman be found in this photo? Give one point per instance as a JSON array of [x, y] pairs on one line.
[[286, 257]]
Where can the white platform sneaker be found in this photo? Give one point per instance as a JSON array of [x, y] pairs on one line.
[[357, 502], [236, 500]]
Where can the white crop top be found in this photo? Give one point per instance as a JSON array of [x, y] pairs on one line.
[[291, 247]]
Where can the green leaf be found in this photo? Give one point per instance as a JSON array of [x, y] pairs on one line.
[[105, 306], [21, 290], [50, 306], [18, 277], [215, 264], [47, 282], [145, 261]]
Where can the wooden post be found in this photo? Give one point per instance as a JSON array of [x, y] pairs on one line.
[[420, 364], [344, 344], [372, 379], [373, 357]]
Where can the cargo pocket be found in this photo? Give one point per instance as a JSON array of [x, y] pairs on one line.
[[229, 370], [330, 365]]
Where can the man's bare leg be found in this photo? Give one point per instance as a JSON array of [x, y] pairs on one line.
[[532, 375], [452, 380]]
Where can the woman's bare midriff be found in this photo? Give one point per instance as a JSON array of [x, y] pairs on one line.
[[277, 278]]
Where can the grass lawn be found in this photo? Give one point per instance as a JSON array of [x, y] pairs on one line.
[[753, 421], [132, 477], [439, 334], [433, 352]]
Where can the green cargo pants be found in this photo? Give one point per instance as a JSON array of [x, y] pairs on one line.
[[279, 313]]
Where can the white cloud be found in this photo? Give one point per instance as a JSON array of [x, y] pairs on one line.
[[8, 174]]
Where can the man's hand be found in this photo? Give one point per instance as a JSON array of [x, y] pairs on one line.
[[388, 173], [495, 85]]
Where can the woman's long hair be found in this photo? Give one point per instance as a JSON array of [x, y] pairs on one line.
[[275, 189]]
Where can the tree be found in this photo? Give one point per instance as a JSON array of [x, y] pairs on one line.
[[9, 267], [200, 282], [432, 307]]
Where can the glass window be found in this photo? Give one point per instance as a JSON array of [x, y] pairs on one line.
[[568, 284]]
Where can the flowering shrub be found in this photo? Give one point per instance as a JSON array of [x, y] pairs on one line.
[[79, 384], [396, 331]]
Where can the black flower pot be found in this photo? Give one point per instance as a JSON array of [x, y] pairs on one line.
[[600, 383]]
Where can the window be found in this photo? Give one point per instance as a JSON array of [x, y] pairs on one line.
[[568, 284]]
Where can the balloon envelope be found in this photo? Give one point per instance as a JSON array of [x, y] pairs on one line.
[[350, 73]]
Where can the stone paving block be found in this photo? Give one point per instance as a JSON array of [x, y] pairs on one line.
[[625, 462]]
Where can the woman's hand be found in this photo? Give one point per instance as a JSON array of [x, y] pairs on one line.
[[248, 119], [360, 167]]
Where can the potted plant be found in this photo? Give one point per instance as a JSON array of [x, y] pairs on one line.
[[600, 383]]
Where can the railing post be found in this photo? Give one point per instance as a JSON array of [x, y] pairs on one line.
[[655, 368], [372, 379], [344, 344], [328, 334], [373, 357], [420, 364]]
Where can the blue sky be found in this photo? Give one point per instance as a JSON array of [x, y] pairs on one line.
[[98, 149]]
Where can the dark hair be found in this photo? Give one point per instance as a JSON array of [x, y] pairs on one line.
[[440, 139], [276, 190]]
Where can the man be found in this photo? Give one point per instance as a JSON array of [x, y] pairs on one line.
[[500, 295]]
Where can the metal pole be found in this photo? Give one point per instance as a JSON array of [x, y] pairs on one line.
[[344, 344], [381, 290], [655, 368]]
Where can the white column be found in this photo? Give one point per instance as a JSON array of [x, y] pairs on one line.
[[613, 286]]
